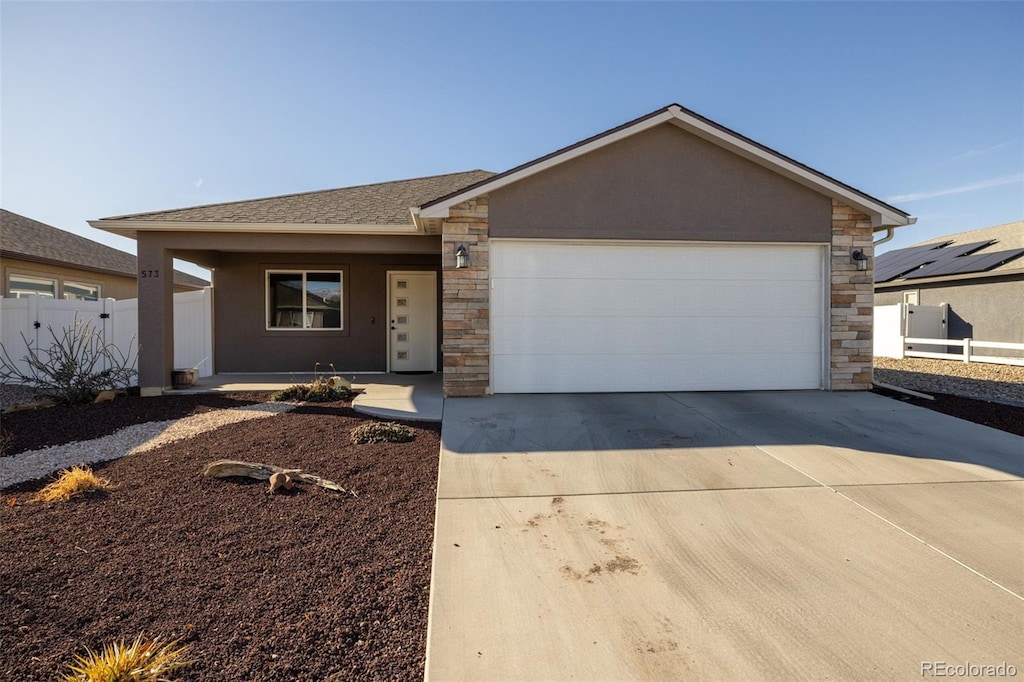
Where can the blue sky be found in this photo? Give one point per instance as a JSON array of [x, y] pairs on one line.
[[112, 108]]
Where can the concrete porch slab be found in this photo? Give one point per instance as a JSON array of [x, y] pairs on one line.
[[416, 397]]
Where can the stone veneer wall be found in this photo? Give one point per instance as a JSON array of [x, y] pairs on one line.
[[466, 296], [852, 303]]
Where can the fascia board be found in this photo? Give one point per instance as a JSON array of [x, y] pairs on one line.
[[129, 228], [440, 210]]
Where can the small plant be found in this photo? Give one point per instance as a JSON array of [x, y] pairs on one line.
[[77, 365], [382, 432], [72, 482], [324, 389], [141, 661], [319, 391]]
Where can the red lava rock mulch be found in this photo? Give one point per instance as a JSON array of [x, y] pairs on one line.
[[32, 429], [306, 585]]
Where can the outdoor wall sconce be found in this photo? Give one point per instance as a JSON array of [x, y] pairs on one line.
[[860, 259], [461, 257]]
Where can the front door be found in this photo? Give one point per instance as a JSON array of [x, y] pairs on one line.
[[412, 314]]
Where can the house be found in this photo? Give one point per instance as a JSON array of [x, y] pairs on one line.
[[669, 253], [37, 258], [979, 274]]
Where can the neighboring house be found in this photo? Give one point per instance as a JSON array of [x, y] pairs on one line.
[[980, 274], [669, 253], [37, 258]]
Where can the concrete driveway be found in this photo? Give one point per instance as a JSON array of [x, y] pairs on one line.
[[802, 535]]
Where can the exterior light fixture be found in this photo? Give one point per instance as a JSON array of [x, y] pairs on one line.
[[461, 257], [860, 259]]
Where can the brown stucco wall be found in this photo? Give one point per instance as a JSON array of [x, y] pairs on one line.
[[988, 310], [111, 286], [663, 183], [243, 344]]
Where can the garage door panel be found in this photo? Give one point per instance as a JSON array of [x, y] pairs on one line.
[[542, 260], [619, 298], [571, 317], [649, 335], [612, 373]]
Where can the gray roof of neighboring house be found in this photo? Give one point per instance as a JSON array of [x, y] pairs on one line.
[[1005, 237], [383, 203], [22, 237]]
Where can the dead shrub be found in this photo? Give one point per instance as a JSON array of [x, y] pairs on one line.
[[141, 661]]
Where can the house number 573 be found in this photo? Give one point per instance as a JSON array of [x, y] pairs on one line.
[[150, 273]]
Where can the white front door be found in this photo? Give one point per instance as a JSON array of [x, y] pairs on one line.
[[412, 317]]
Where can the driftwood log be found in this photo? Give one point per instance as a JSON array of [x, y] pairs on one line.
[[224, 468]]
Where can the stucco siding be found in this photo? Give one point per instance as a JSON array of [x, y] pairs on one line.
[[663, 183], [243, 344]]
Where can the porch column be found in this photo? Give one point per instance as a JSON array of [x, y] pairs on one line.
[[156, 315]]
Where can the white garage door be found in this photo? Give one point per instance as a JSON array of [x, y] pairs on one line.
[[575, 317]]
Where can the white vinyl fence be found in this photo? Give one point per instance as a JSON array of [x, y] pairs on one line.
[[117, 321], [919, 331]]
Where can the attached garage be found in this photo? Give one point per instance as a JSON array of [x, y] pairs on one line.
[[672, 316]]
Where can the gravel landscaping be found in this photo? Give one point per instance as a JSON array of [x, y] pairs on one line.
[[979, 380], [308, 584], [983, 393]]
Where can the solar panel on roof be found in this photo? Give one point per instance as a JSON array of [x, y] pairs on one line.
[[933, 261], [966, 264], [892, 264]]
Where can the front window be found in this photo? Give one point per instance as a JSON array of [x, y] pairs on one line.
[[79, 291], [20, 286], [303, 300]]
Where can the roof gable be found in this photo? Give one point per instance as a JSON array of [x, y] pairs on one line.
[[882, 214], [32, 240]]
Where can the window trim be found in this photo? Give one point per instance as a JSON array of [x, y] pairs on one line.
[[81, 283], [304, 272], [14, 274]]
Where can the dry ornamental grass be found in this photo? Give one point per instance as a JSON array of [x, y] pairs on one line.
[[72, 482]]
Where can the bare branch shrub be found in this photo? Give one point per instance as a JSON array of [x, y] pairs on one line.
[[76, 366]]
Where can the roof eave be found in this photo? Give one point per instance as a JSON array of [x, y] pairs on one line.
[[988, 274], [131, 228]]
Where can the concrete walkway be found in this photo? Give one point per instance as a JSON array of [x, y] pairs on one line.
[[723, 536], [391, 396]]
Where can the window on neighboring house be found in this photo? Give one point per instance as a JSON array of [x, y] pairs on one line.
[[303, 300], [20, 286], [79, 291]]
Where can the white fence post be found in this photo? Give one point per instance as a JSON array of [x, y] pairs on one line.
[[902, 350], [967, 350]]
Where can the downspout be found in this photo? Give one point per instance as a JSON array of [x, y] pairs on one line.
[[890, 232]]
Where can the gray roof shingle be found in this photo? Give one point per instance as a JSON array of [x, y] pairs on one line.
[[21, 236], [384, 203]]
